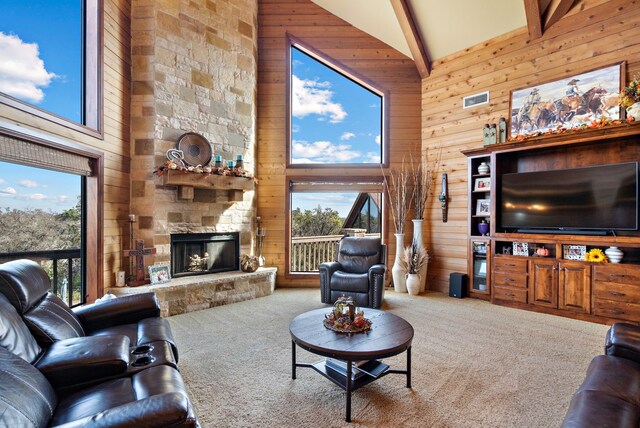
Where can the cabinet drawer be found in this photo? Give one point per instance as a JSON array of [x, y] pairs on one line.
[[617, 273], [510, 264], [618, 310], [510, 294], [618, 292], [510, 279]]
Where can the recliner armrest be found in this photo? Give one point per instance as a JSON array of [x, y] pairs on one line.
[[171, 409], [329, 267], [122, 310], [623, 340], [80, 360], [377, 269]]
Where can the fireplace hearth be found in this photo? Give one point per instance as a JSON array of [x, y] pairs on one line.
[[204, 253]]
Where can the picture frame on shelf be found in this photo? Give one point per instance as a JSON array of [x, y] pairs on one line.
[[480, 248], [520, 248], [160, 273], [566, 103], [483, 207], [574, 252], [482, 185]]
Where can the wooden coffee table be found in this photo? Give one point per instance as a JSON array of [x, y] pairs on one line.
[[389, 335]]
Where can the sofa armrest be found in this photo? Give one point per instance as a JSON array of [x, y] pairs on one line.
[[623, 340], [171, 409], [122, 310], [80, 360], [376, 285], [327, 269]]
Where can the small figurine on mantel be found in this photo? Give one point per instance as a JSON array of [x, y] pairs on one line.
[[138, 251], [502, 130]]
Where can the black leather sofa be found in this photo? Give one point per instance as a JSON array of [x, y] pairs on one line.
[[111, 364], [610, 394], [358, 272]]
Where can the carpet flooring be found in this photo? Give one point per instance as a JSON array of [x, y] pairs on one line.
[[473, 365]]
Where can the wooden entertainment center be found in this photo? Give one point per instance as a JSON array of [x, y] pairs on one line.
[[550, 282]]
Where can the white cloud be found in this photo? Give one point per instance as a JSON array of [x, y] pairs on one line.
[[321, 152], [378, 139], [9, 191], [35, 197], [373, 157], [28, 183], [312, 97], [22, 72], [347, 136]]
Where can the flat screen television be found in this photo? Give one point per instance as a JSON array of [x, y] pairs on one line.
[[598, 199]]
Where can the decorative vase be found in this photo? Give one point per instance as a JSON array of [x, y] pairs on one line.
[[417, 238], [614, 254], [483, 168], [634, 111], [399, 273], [413, 283], [483, 228]]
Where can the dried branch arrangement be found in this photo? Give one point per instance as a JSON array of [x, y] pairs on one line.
[[397, 185], [423, 174], [415, 257]]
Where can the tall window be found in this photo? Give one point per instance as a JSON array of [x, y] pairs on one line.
[[41, 214], [49, 59], [334, 118]]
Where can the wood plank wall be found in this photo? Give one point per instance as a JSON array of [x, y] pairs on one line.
[[353, 48], [595, 34]]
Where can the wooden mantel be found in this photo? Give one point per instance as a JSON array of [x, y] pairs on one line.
[[188, 181]]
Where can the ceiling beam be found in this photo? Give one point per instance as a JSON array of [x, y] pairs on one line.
[[534, 18], [556, 10], [410, 31]]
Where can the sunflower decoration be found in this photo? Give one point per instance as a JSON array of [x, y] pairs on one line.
[[595, 255]]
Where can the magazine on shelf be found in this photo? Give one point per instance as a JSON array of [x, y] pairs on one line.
[[372, 368]]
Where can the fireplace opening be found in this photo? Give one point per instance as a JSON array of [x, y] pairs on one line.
[[202, 253]]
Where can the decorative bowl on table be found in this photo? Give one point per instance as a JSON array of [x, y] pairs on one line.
[[345, 319]]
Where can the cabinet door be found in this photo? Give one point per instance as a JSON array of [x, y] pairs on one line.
[[574, 282], [543, 284]]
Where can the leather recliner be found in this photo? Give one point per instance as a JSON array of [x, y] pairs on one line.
[[26, 285], [359, 272], [36, 390]]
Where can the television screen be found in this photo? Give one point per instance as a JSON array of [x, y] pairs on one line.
[[603, 197]]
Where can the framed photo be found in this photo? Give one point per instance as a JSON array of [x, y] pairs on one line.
[[567, 103], [574, 252], [520, 249], [483, 207], [160, 273], [480, 248], [482, 185]]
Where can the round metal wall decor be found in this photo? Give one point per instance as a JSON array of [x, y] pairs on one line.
[[196, 148]]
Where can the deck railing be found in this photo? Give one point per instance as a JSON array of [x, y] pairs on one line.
[[307, 252], [64, 268]]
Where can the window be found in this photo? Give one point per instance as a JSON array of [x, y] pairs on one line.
[[335, 117], [41, 217], [49, 60], [322, 212]]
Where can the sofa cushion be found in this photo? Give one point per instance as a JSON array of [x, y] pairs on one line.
[[51, 320], [354, 282], [617, 377], [357, 255], [596, 409], [26, 398], [24, 283], [623, 340], [15, 335]]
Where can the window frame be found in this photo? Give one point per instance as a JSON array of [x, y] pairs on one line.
[[350, 74], [92, 90], [327, 179]]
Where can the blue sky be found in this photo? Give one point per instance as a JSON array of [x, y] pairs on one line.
[[334, 120], [40, 63]]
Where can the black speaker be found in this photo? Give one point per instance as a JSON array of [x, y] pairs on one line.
[[457, 285]]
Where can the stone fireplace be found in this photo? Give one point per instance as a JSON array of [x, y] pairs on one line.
[[202, 253]]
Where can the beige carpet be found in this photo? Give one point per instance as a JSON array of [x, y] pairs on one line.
[[474, 365]]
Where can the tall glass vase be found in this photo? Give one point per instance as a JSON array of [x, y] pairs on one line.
[[398, 273], [417, 238]]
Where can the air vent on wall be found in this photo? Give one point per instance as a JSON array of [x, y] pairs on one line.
[[475, 100]]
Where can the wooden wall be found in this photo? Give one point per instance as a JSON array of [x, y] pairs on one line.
[[596, 33], [358, 51]]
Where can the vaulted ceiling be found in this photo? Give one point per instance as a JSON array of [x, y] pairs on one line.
[[426, 30]]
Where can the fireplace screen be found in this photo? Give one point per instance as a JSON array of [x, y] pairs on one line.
[[200, 253]]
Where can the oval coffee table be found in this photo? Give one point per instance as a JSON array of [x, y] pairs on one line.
[[389, 335]]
